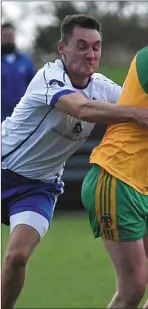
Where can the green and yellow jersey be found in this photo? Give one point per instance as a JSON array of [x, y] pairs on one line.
[[123, 151]]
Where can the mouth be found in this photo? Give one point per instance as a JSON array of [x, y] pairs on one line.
[[88, 64]]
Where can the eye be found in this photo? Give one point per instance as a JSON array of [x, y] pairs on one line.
[[81, 47], [96, 48]]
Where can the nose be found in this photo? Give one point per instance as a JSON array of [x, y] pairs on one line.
[[90, 53]]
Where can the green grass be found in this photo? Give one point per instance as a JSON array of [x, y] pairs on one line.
[[116, 74], [69, 269]]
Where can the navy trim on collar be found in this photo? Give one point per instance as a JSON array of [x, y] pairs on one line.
[[76, 86]]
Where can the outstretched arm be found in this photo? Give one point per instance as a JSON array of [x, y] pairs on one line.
[[95, 111]]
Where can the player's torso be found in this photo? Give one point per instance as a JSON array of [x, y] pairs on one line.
[[53, 137], [38, 138], [124, 149], [53, 141]]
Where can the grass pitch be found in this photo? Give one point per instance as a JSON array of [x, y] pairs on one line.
[[69, 269]]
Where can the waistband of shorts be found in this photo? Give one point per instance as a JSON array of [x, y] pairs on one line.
[[31, 180]]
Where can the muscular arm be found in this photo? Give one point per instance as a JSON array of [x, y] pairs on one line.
[[100, 112]]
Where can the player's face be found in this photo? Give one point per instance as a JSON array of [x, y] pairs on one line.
[[82, 52], [7, 36]]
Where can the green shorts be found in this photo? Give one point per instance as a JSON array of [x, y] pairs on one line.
[[116, 210]]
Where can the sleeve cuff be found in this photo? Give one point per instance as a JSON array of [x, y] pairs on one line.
[[59, 94]]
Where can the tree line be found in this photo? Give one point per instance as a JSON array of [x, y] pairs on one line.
[[127, 34]]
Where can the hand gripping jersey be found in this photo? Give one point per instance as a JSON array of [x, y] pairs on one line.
[[123, 151], [37, 139]]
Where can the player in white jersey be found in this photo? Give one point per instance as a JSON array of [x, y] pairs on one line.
[[52, 120]]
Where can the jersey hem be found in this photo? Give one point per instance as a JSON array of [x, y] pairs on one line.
[[121, 177]]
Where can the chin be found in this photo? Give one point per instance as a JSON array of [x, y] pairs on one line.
[[89, 72]]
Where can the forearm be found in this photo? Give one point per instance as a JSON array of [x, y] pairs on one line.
[[97, 112]]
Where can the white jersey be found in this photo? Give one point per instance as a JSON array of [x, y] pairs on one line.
[[37, 139]]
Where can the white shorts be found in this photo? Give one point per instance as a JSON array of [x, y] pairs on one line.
[[37, 221]]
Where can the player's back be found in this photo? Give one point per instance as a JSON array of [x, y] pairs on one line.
[[124, 149]]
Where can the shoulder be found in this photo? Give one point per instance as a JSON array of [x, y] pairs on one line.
[[99, 78], [23, 55], [142, 67], [25, 58], [54, 73], [105, 89], [143, 54], [103, 83], [51, 78]]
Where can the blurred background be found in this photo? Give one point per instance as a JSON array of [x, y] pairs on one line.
[[76, 271], [124, 25]]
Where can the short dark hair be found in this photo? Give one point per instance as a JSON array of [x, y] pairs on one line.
[[77, 20], [8, 25]]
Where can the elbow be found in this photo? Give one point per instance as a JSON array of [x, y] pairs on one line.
[[83, 113], [80, 112]]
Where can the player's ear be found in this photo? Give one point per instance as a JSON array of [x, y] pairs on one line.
[[60, 47]]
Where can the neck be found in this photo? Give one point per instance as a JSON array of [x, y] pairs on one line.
[[76, 80], [7, 49]]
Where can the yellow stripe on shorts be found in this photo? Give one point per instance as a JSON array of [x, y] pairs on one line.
[[106, 205]]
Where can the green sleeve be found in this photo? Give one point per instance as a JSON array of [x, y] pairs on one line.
[[142, 67]]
